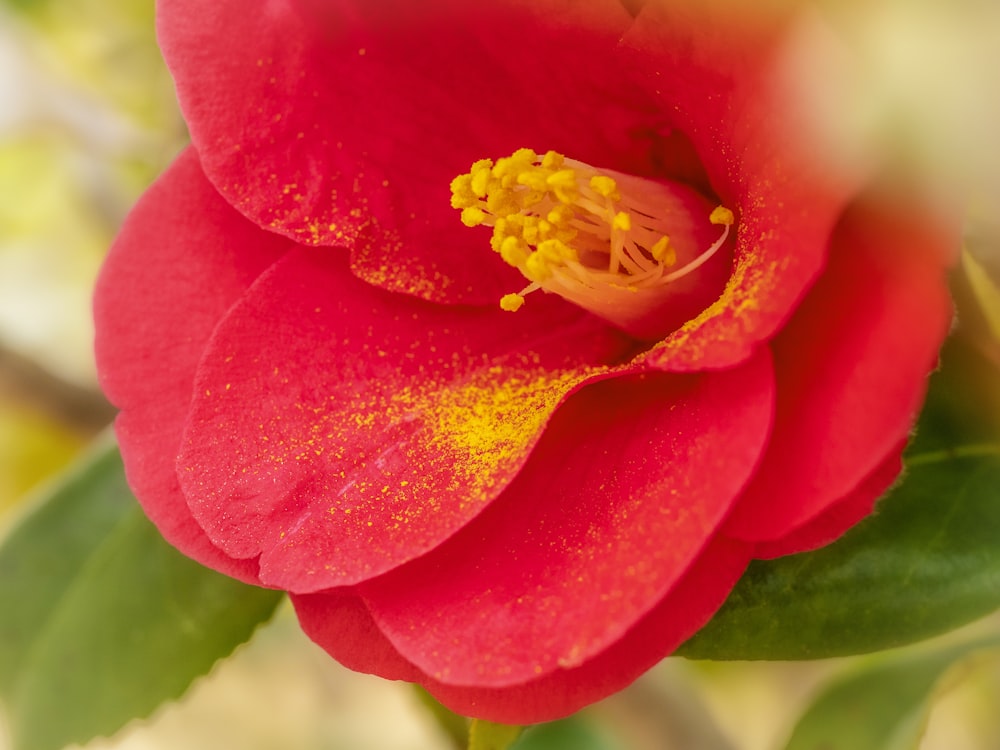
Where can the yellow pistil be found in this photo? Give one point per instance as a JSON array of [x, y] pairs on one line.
[[578, 232]]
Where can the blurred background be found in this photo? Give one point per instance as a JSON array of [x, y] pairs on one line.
[[88, 119]]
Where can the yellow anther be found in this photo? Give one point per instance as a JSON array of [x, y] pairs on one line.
[[536, 267], [502, 203], [560, 215], [507, 172], [568, 196], [473, 216], [499, 234], [663, 251], [622, 222], [534, 179], [606, 186], [721, 215], [480, 181], [513, 251], [552, 160], [531, 232], [461, 192], [564, 178], [511, 302], [514, 224], [526, 155], [508, 168], [555, 251]]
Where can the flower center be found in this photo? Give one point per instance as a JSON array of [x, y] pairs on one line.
[[615, 244]]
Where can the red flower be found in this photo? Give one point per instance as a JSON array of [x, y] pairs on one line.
[[520, 511]]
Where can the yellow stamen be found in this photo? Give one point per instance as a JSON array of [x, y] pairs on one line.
[[511, 302], [573, 230], [721, 215], [473, 216], [606, 186], [663, 251]]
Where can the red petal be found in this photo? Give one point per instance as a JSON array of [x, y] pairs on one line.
[[336, 122], [852, 367], [339, 430], [340, 622], [714, 70], [840, 516], [181, 260], [628, 483], [343, 626], [687, 607]]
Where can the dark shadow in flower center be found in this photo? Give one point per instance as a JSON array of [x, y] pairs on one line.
[[633, 6]]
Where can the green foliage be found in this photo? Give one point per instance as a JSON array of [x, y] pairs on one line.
[[26, 5], [573, 733], [928, 561], [884, 705], [102, 620]]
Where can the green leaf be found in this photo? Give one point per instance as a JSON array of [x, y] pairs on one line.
[[102, 620], [486, 735], [926, 562], [573, 733], [884, 705]]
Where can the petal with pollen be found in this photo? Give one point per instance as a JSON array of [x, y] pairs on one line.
[[754, 141], [336, 122], [339, 430], [183, 257], [622, 493], [851, 366]]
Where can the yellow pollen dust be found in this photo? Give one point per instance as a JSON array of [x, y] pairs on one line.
[[571, 229]]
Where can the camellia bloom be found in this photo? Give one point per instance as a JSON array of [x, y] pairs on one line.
[[504, 335]]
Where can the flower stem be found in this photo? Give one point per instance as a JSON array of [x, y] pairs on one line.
[[454, 726], [485, 735]]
